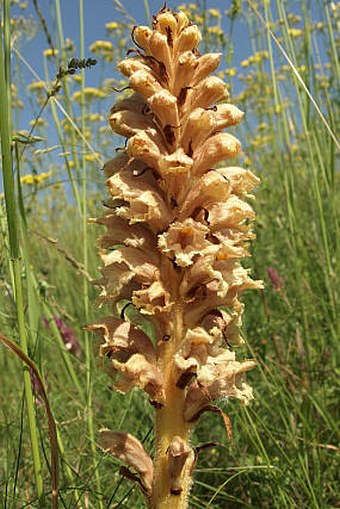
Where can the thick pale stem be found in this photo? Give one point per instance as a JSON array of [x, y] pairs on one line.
[[170, 423]]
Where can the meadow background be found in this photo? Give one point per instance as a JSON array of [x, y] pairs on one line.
[[285, 444]]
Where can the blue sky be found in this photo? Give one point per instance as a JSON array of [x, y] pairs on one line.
[[96, 14], [99, 12]]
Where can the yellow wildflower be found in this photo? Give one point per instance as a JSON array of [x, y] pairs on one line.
[[95, 117], [91, 157], [184, 8], [295, 32], [278, 109], [90, 93], [215, 13], [198, 19], [231, 72], [50, 52], [256, 58], [293, 19], [38, 122], [260, 140], [44, 175], [27, 179], [113, 25], [37, 86], [215, 30], [100, 46], [35, 179], [76, 96]]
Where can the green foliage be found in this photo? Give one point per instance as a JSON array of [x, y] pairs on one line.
[[285, 442]]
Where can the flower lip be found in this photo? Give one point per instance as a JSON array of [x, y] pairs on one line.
[[183, 241]]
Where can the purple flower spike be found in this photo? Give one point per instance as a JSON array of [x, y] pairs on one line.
[[70, 341], [36, 388], [275, 279]]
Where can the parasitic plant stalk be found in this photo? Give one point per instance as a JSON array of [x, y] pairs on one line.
[[177, 228]]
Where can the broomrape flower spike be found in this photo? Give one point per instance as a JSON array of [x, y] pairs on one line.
[[177, 230]]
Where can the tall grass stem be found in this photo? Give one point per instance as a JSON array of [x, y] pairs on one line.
[[14, 232], [88, 348]]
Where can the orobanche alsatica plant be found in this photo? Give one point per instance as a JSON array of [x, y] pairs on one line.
[[177, 230]]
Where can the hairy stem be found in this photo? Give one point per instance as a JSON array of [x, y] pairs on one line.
[[170, 423]]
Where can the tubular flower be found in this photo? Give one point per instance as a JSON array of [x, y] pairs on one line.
[[177, 230]]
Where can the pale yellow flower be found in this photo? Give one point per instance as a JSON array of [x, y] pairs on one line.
[[91, 157], [100, 46], [37, 86], [90, 93], [295, 32], [50, 52], [113, 25], [215, 13], [40, 122], [216, 30], [35, 179]]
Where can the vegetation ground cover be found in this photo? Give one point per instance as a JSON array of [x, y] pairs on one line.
[[285, 444]]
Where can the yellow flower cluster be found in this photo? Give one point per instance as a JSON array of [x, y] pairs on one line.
[[113, 25], [37, 86], [49, 53], [293, 19], [262, 127], [100, 46], [259, 141], [39, 122], [295, 32], [255, 59], [35, 179], [231, 72], [216, 30], [104, 49], [90, 93], [16, 102], [95, 117], [92, 157], [215, 13]]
